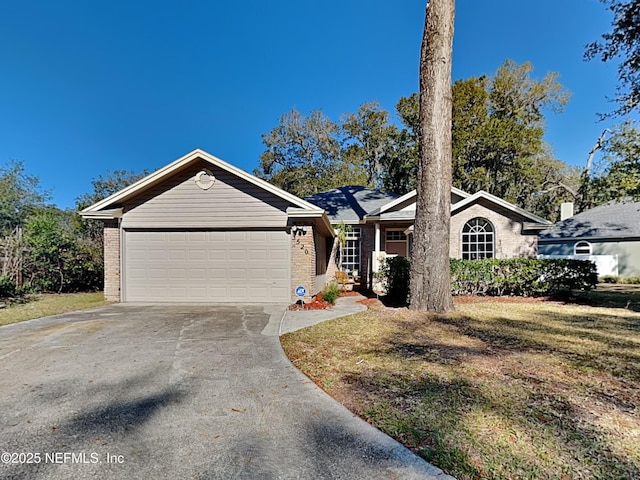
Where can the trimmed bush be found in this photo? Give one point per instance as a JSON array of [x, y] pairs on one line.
[[395, 274], [521, 276], [524, 277], [622, 280]]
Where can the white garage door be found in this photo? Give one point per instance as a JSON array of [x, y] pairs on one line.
[[200, 266]]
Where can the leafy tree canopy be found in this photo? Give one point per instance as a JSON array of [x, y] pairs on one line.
[[497, 128], [497, 135], [20, 193], [623, 43], [618, 175], [108, 184]]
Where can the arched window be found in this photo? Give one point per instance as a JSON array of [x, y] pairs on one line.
[[582, 248], [477, 239]]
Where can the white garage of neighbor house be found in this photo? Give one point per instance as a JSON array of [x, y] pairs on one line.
[[202, 230]]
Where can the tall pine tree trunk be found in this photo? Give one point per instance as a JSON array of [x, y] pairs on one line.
[[430, 275]]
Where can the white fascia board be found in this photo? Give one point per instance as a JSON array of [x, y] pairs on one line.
[[499, 201], [412, 194], [195, 155], [397, 201], [460, 193], [103, 214], [301, 213]]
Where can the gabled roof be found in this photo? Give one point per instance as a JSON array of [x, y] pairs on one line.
[[158, 176], [408, 198], [498, 201], [350, 204], [610, 221]]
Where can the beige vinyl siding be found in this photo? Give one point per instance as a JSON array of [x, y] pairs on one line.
[[231, 203]]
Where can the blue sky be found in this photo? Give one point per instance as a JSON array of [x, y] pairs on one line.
[[91, 87]]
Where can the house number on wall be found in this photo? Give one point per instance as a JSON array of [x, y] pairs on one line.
[[306, 251]]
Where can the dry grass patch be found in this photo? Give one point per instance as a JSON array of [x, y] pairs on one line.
[[50, 304], [495, 390]]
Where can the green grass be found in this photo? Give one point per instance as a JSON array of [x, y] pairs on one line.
[[51, 304], [496, 390]]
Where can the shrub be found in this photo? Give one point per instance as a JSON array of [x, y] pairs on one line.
[[610, 279], [395, 274], [525, 277], [331, 292], [521, 276], [622, 280], [7, 287]]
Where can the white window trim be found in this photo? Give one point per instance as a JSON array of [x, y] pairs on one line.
[[405, 241], [353, 235], [493, 237], [582, 244]]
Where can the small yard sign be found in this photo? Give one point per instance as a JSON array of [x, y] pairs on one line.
[[301, 291]]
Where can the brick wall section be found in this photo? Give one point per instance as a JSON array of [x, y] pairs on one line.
[[303, 263], [367, 244], [112, 261], [509, 240]]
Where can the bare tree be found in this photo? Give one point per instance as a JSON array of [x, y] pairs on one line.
[[430, 274]]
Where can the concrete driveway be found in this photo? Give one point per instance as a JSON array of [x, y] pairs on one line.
[[176, 391]]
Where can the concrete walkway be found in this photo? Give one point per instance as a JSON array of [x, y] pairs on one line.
[[296, 319]]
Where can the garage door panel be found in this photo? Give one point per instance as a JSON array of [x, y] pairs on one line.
[[197, 236], [258, 254], [237, 255], [153, 254], [197, 255], [177, 237], [260, 237], [217, 255], [205, 266], [279, 274], [279, 255], [258, 274]]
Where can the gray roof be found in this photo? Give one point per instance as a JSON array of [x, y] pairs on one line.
[[350, 204], [615, 220]]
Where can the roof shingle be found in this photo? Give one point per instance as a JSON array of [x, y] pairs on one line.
[[605, 221]]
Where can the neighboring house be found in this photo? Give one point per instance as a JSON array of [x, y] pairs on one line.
[[482, 226], [609, 235], [202, 230]]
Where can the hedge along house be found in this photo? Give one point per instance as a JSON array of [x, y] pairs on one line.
[[202, 230], [482, 226], [608, 235]]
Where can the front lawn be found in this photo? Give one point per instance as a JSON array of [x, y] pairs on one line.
[[50, 304], [498, 389]]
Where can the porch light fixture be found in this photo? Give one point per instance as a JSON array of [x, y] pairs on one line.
[[299, 230]]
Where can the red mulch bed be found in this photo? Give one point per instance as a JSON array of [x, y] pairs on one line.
[[318, 303]]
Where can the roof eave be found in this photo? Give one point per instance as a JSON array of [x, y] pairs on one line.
[[316, 214], [102, 214], [499, 201]]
